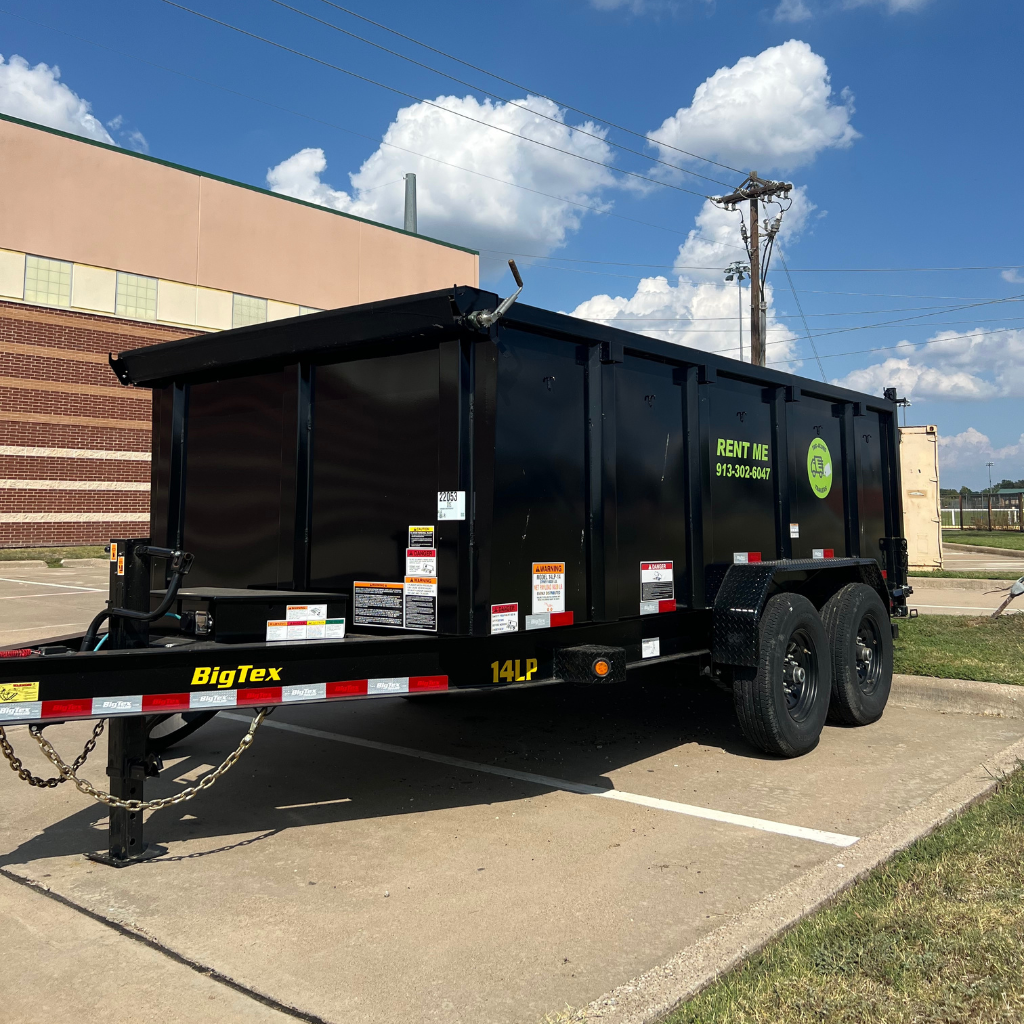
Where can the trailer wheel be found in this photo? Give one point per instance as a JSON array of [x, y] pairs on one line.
[[860, 639], [166, 730], [782, 704]]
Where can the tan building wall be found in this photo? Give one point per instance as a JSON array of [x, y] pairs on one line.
[[71, 199], [922, 521], [74, 444]]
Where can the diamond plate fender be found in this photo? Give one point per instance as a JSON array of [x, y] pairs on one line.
[[745, 591]]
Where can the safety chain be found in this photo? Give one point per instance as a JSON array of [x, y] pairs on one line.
[[86, 787], [33, 780]]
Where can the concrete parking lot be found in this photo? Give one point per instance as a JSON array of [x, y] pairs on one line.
[[437, 860], [454, 858], [38, 602]]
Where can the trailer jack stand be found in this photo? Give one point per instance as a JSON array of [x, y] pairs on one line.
[[127, 766]]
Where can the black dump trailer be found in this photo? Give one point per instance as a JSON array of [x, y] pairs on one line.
[[428, 493]]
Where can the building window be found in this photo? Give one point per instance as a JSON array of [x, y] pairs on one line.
[[47, 282], [136, 296], [247, 309], [303, 310]]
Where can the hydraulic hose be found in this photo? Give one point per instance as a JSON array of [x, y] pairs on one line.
[[181, 562]]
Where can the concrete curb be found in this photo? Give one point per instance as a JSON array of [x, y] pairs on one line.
[[968, 549], [649, 997], [958, 696], [920, 583]]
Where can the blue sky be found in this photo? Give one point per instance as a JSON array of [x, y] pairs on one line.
[[896, 119]]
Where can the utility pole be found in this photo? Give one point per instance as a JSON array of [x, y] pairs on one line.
[[990, 465], [752, 190]]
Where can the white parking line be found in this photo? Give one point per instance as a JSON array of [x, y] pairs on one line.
[[726, 817], [36, 583]]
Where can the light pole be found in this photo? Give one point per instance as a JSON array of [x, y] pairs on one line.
[[990, 465], [738, 270]]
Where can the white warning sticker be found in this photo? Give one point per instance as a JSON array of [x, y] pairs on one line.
[[421, 603], [420, 562], [334, 629], [377, 604], [651, 648], [548, 587], [505, 618], [421, 537], [277, 629], [794, 530], [451, 505]]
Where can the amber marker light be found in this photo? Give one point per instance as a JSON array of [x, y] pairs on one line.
[[602, 667]]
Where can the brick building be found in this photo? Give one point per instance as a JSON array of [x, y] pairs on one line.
[[103, 250]]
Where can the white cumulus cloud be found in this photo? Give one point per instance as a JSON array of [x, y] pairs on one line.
[[772, 112], [965, 365], [893, 6], [792, 10], [467, 208], [37, 94], [971, 449]]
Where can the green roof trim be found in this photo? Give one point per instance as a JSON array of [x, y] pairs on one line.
[[228, 181]]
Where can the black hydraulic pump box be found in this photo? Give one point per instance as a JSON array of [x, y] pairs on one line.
[[238, 616]]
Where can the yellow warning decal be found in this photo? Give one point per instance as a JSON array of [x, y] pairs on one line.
[[15, 693]]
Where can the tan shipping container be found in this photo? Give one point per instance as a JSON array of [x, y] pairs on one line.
[[919, 471]]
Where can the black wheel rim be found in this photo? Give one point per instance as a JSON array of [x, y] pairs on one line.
[[800, 675], [867, 654]]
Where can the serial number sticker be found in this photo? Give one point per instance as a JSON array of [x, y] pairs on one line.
[[451, 505], [18, 693]]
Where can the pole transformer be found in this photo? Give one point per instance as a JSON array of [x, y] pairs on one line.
[[752, 190]]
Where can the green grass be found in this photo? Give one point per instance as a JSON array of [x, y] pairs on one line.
[[936, 935], [995, 539], [963, 647], [955, 574], [51, 556]]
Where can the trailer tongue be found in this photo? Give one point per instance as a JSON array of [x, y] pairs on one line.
[[421, 495]]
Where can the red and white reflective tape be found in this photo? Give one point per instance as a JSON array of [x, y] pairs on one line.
[[744, 557], [212, 700], [657, 607], [823, 553]]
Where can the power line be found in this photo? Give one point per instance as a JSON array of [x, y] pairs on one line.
[[773, 326], [892, 348], [807, 328], [487, 92], [429, 103], [794, 270], [349, 131], [516, 85]]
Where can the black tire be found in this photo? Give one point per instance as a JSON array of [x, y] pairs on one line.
[[860, 639], [782, 704], [166, 730]]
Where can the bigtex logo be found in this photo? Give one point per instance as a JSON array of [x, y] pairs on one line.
[[225, 678]]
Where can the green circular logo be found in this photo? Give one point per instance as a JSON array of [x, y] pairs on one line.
[[819, 468]]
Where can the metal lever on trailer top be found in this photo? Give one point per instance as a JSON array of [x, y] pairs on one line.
[[483, 318]]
